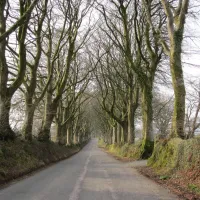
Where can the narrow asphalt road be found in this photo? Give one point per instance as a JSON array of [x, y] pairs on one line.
[[89, 175]]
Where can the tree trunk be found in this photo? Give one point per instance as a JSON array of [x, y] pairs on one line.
[[77, 129], [147, 119], [44, 134], [76, 141], [50, 113], [69, 135], [5, 100], [79, 138], [119, 133], [115, 135], [176, 24], [6, 132], [106, 137], [179, 89], [75, 138], [147, 113], [28, 121], [131, 122], [62, 134], [110, 135], [125, 132]]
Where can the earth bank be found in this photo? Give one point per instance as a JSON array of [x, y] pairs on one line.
[[18, 158]]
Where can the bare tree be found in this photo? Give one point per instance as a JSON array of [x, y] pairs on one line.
[[7, 89], [176, 15]]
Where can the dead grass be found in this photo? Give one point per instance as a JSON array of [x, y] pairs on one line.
[[180, 183]]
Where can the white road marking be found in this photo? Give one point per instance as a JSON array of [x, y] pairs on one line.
[[77, 189]]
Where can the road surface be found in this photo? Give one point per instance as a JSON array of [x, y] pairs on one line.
[[89, 175]]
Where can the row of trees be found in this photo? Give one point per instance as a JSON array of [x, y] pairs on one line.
[[134, 39], [42, 64], [53, 59]]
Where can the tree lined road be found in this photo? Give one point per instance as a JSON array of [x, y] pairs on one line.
[[88, 175]]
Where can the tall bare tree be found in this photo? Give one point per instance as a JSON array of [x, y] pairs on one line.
[[176, 16]]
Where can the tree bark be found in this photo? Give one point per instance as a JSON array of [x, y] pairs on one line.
[[147, 113], [147, 119], [125, 132], [28, 122], [6, 132], [69, 135], [176, 22], [76, 140], [115, 134], [179, 89], [119, 133], [131, 121], [61, 134], [50, 113], [5, 100]]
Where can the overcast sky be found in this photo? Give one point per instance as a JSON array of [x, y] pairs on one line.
[[192, 44]]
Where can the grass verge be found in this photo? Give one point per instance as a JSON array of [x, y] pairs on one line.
[[126, 152]]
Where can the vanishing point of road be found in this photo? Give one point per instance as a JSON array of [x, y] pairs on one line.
[[89, 175]]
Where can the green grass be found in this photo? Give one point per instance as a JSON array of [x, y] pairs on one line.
[[164, 177], [194, 188]]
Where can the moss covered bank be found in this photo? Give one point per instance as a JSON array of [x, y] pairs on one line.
[[175, 154]]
